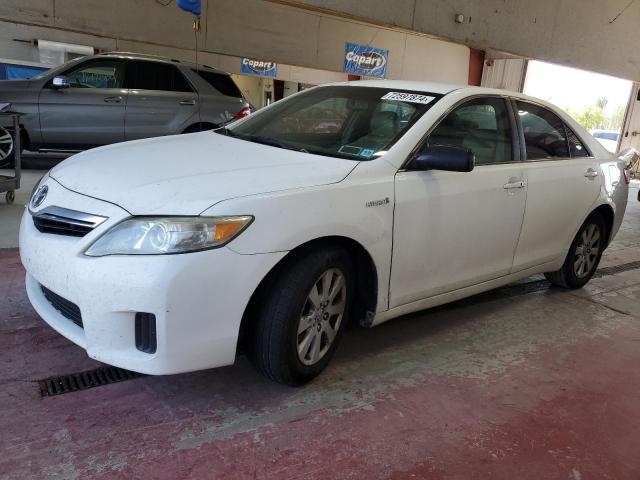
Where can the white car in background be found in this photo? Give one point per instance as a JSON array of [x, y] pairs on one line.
[[272, 234], [608, 139]]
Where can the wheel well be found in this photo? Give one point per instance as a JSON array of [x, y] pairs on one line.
[[24, 138], [200, 127], [607, 214], [366, 280]]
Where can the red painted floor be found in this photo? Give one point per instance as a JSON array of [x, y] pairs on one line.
[[537, 386]]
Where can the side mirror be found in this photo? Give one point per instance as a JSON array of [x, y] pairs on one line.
[[444, 157], [60, 82]]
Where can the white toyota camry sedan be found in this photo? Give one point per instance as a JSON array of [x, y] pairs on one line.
[[348, 202]]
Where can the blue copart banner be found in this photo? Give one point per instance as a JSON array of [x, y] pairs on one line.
[[259, 67], [191, 6], [363, 60]]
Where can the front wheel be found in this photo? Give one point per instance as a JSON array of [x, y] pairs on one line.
[[301, 318], [584, 255]]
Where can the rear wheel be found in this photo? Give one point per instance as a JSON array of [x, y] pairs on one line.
[[301, 318], [584, 255]]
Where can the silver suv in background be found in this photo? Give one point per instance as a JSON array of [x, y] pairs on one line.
[[115, 97]]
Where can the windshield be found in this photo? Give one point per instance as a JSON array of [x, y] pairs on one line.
[[357, 123]]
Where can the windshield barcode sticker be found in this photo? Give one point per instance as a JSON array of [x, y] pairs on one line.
[[408, 97]]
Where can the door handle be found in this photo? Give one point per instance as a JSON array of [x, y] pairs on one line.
[[187, 103], [591, 173], [117, 99], [512, 185]]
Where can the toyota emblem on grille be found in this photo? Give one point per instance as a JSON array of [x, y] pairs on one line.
[[39, 196]]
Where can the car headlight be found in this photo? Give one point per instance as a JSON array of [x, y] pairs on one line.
[[166, 235]]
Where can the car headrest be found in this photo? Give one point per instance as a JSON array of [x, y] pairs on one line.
[[385, 124]]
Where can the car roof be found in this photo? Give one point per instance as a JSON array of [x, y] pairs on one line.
[[159, 59], [431, 87], [442, 89]]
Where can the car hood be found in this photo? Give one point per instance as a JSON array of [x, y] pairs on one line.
[[186, 174]]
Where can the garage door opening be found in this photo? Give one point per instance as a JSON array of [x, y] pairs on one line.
[[598, 102]]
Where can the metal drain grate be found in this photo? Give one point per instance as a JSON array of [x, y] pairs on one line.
[[73, 382], [540, 285], [625, 267]]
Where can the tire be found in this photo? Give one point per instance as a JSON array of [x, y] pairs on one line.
[[292, 336], [10, 197], [7, 153], [579, 267]]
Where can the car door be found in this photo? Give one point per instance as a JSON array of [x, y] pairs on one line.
[[453, 230], [563, 182], [90, 111], [161, 101]]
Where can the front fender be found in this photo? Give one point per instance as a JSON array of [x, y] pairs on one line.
[[285, 220]]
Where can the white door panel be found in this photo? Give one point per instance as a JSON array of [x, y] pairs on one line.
[[559, 196], [453, 230]]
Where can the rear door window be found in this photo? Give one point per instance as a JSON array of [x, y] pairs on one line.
[[481, 125], [544, 133], [221, 82], [143, 75]]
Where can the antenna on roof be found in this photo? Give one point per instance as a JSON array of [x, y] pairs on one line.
[[194, 7]]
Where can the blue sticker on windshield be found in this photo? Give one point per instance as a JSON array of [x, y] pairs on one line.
[[367, 152]]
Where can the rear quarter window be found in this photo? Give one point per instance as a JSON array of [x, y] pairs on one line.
[[221, 82]]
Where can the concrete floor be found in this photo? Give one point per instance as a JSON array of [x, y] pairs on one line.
[[523, 383]]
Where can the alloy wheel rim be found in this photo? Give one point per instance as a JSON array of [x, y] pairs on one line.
[[6, 143], [321, 316], [587, 251]]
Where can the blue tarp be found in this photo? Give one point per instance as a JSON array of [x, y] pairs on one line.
[[9, 71], [191, 6]]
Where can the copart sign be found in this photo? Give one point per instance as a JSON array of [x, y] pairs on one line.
[[259, 67], [363, 60]]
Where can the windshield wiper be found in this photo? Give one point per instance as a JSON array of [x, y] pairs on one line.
[[225, 131], [269, 141], [259, 139]]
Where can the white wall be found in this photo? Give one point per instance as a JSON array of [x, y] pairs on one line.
[[598, 35], [507, 74], [230, 28]]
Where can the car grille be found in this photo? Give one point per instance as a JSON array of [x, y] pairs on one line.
[[61, 221], [68, 309], [60, 227]]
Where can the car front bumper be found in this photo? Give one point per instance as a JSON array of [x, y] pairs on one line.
[[198, 299]]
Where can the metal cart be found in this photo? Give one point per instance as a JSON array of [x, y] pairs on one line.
[[9, 185]]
